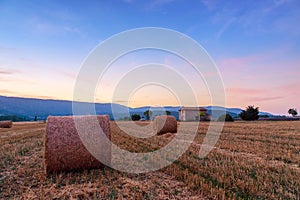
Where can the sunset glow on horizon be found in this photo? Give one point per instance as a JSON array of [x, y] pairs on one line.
[[255, 46]]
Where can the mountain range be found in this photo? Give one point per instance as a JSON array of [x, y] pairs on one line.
[[29, 108]]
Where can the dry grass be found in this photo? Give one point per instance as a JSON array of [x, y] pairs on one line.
[[252, 160], [6, 124]]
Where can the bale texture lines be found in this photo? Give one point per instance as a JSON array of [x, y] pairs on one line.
[[64, 149], [164, 124]]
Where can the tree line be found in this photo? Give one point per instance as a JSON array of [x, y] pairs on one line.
[[251, 113], [148, 114]]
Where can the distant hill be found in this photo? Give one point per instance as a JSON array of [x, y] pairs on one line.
[[28, 108]]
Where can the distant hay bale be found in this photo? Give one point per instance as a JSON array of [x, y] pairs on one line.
[[64, 150], [6, 124], [164, 124]]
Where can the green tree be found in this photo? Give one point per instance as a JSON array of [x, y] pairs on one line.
[[148, 114], [168, 112], [293, 112], [135, 117], [226, 118], [250, 114]]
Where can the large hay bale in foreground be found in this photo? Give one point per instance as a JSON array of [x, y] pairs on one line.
[[6, 124], [64, 149], [164, 124]]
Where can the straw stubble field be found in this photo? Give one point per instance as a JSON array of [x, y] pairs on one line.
[[251, 160]]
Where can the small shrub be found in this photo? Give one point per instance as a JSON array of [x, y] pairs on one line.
[[226, 118], [250, 114], [148, 114], [135, 117]]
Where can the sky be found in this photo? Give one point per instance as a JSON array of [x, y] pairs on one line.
[[255, 46]]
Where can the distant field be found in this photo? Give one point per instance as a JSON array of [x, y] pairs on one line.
[[251, 160]]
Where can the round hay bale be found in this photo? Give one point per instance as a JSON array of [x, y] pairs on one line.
[[6, 124], [164, 124], [64, 150]]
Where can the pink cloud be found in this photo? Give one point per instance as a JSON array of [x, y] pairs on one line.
[[6, 92], [256, 60], [8, 71], [40, 97], [67, 74], [237, 62], [244, 91], [253, 95], [260, 99], [290, 90], [272, 98], [257, 96]]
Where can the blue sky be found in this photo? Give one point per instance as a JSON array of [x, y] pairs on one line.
[[255, 44]]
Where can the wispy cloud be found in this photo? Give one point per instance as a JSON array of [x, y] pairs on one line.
[[56, 29], [264, 98], [7, 92], [275, 4], [210, 4], [238, 65], [157, 3], [68, 74], [39, 96], [74, 30], [290, 89], [253, 94], [225, 27], [262, 17], [245, 91], [255, 60], [8, 48], [8, 71], [121, 101], [53, 26], [5, 49], [4, 92], [2, 72], [287, 93]]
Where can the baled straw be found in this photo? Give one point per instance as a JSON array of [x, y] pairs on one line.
[[6, 124], [164, 124], [64, 150]]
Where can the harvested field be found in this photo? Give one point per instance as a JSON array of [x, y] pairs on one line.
[[251, 160]]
